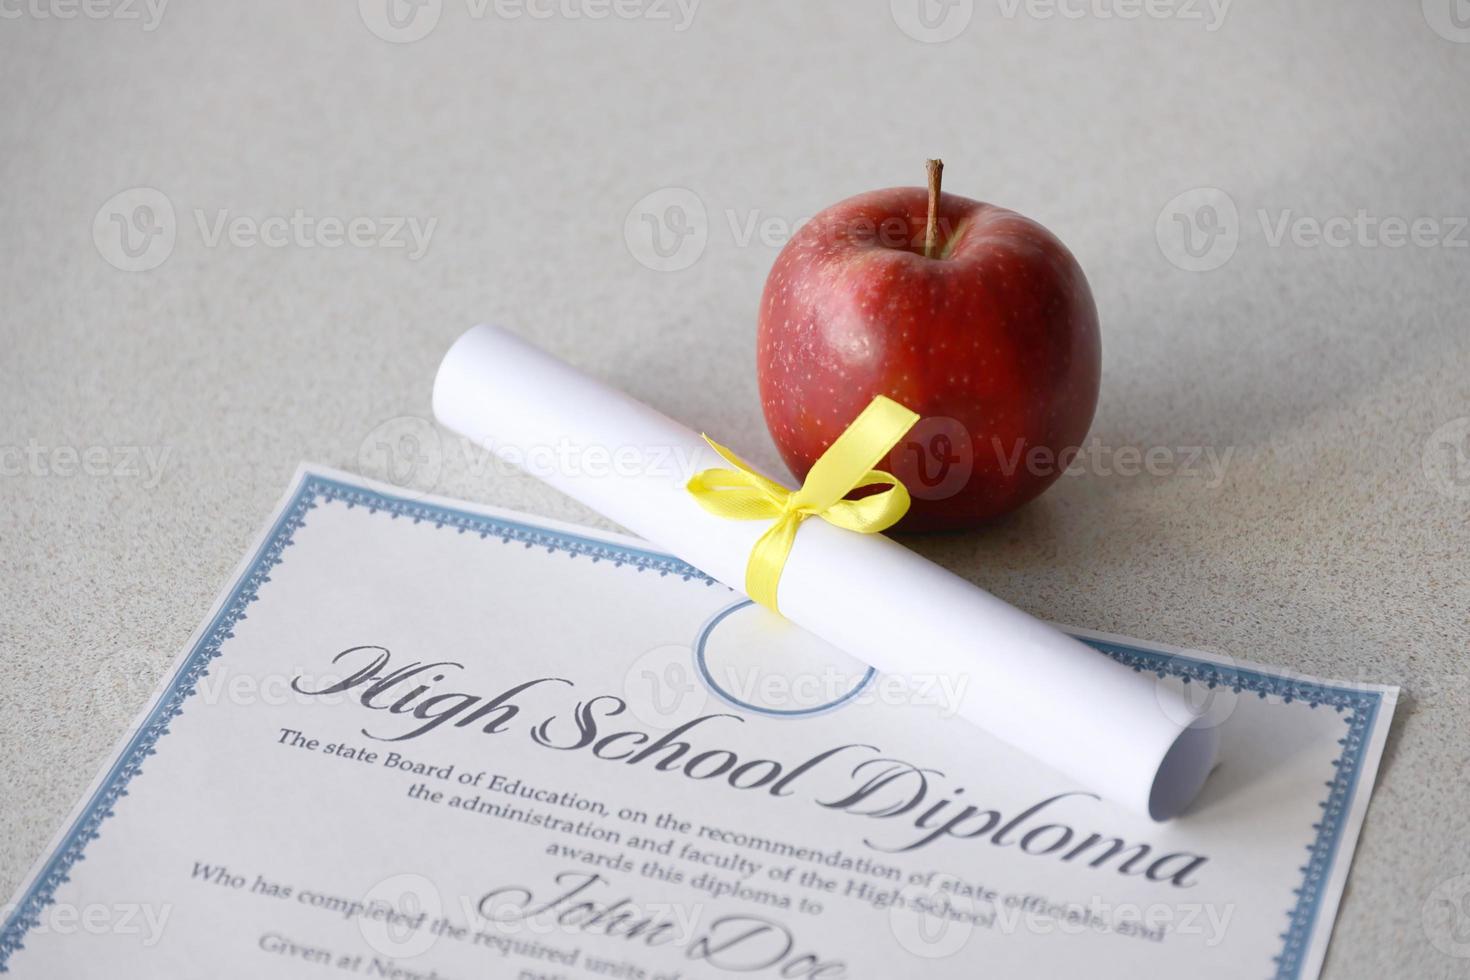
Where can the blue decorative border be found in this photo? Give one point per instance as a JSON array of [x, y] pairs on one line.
[[1361, 710], [1360, 707]]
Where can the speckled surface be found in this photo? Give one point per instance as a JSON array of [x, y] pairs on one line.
[[1336, 377]]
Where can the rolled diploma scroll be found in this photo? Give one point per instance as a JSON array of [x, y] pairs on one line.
[[1108, 727]]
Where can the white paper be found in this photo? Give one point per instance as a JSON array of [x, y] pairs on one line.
[[241, 831], [1110, 728]]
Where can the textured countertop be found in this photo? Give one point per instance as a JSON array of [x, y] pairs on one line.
[[179, 330]]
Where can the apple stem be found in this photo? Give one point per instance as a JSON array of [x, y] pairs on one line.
[[931, 230]]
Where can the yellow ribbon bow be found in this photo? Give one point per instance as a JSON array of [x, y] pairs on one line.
[[742, 494]]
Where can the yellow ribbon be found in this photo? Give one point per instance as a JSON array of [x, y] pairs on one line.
[[742, 494]]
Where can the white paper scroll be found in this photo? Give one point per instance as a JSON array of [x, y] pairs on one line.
[[1113, 730]]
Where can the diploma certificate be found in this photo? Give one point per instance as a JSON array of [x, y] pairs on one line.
[[426, 740]]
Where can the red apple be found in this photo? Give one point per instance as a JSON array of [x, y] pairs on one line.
[[991, 337]]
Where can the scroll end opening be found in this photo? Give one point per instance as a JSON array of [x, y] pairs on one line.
[[1182, 774]]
